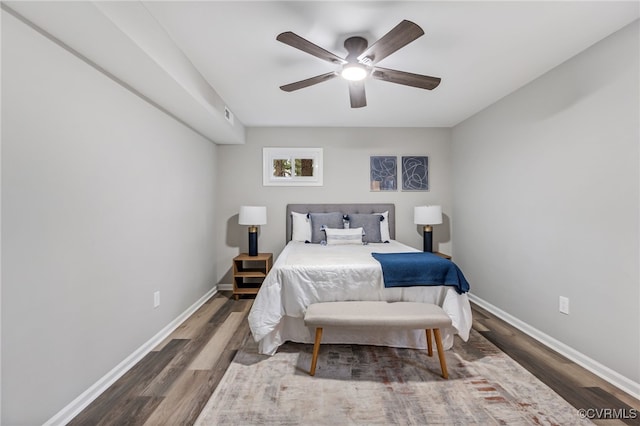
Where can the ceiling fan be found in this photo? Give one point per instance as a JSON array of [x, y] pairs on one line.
[[361, 61]]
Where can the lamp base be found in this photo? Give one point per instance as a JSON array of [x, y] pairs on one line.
[[427, 235], [253, 241]]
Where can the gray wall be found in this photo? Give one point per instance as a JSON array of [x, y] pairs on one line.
[[545, 202], [104, 201], [346, 180]]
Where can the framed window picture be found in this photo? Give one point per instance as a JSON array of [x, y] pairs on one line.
[[383, 173], [415, 173], [292, 167]]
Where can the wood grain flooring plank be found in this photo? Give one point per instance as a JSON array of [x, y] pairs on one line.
[[242, 305], [480, 313], [602, 390], [132, 412], [213, 322], [479, 325], [224, 361], [226, 357], [184, 401], [522, 353], [621, 411], [242, 333], [130, 384], [512, 336], [165, 379], [221, 314], [209, 354], [191, 326]]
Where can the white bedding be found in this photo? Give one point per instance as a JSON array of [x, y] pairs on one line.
[[308, 273]]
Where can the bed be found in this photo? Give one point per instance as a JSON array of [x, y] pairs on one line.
[[306, 273]]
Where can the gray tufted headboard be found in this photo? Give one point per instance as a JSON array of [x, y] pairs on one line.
[[365, 208]]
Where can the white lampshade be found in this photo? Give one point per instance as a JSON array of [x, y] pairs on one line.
[[252, 215], [427, 215]]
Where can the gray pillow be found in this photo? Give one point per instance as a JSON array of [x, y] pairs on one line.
[[320, 220], [371, 225]]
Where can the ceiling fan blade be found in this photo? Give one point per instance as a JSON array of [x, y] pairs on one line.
[[300, 43], [401, 35], [308, 82], [406, 78], [357, 94]]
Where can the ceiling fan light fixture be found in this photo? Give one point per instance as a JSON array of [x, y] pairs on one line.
[[361, 61], [354, 72]]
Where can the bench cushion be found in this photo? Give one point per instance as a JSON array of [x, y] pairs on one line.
[[377, 314]]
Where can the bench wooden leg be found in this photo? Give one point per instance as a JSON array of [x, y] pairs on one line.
[[316, 349], [443, 361], [429, 344]]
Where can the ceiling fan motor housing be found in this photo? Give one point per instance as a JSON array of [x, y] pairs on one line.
[[355, 46]]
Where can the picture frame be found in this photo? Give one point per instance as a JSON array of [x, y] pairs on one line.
[[415, 173], [292, 166], [383, 173]]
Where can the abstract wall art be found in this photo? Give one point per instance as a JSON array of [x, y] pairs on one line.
[[415, 173], [383, 174]]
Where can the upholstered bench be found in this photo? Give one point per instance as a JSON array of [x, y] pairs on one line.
[[407, 315]]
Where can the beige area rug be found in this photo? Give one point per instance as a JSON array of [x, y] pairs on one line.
[[368, 385]]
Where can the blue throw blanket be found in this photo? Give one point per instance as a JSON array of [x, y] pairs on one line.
[[420, 268]]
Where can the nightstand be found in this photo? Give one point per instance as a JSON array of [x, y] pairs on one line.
[[249, 272], [446, 256]]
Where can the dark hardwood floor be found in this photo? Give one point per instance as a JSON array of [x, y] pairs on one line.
[[172, 383]]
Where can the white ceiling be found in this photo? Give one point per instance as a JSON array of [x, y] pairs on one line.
[[193, 58]]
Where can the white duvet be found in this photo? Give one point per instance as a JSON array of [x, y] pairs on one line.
[[308, 273]]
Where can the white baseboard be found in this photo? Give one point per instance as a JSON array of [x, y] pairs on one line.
[[616, 379], [225, 287], [74, 408]]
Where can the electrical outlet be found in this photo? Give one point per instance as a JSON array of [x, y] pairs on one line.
[[156, 299], [563, 305]]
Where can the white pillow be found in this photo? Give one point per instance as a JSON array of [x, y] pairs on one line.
[[385, 236], [344, 236], [301, 227]]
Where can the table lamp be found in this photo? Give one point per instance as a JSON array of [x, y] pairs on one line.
[[427, 216], [253, 216]]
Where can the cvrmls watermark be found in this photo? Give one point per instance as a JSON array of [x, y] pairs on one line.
[[608, 413]]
